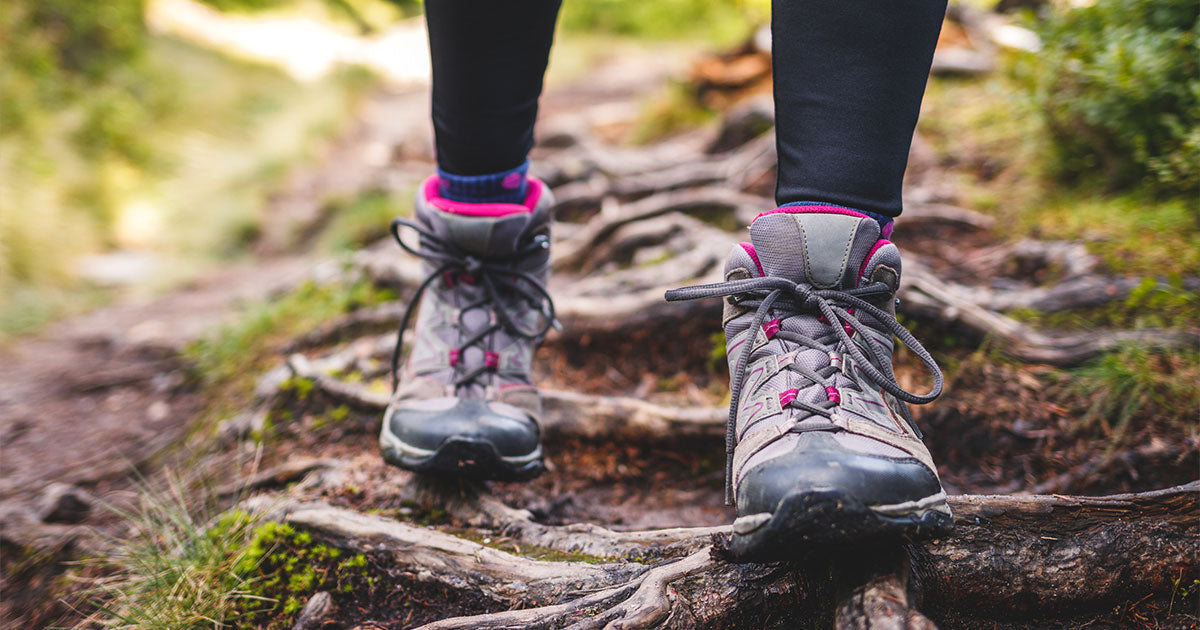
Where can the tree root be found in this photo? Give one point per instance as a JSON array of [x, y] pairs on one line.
[[632, 297], [564, 413], [471, 503], [924, 295], [1022, 557]]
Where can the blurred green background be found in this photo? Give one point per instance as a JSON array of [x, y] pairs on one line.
[[113, 137]]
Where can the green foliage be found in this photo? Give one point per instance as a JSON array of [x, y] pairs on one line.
[[178, 570], [286, 566], [111, 137], [1118, 86], [675, 108], [1131, 233], [245, 5], [71, 82], [1122, 384], [721, 21], [990, 142], [188, 568]]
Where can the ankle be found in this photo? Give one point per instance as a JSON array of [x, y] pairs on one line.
[[508, 186]]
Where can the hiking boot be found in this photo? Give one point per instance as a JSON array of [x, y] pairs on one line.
[[820, 445], [464, 403]]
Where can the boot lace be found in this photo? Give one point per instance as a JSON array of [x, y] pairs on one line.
[[506, 289], [836, 308]]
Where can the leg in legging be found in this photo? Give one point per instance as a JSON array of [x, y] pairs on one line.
[[488, 62], [820, 450], [849, 77]]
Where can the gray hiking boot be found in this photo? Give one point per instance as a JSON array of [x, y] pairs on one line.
[[464, 403], [821, 447]]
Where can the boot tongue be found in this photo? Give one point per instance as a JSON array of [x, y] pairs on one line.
[[488, 230], [821, 246]]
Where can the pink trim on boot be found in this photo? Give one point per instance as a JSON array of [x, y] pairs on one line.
[[753, 255], [863, 269], [430, 189], [812, 210]]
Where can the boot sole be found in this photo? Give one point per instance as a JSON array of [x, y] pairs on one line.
[[461, 457], [806, 521]]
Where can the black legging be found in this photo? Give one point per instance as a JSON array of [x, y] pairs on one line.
[[849, 76]]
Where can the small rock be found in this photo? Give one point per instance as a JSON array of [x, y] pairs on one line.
[[63, 503], [158, 410], [315, 611]]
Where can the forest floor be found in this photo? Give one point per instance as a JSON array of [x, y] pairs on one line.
[[260, 386]]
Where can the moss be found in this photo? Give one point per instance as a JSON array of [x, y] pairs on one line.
[[299, 387], [332, 416], [717, 358], [286, 566]]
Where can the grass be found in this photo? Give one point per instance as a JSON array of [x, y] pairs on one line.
[[180, 568], [988, 137], [1153, 304], [721, 22], [673, 109], [187, 565], [1136, 380]]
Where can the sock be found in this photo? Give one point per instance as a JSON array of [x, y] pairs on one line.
[[503, 187], [886, 223]]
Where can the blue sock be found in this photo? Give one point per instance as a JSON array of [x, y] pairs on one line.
[[884, 221], [503, 187]]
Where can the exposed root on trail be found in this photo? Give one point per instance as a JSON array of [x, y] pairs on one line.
[[1036, 557], [564, 413]]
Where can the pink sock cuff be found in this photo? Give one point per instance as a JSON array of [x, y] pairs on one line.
[[431, 192]]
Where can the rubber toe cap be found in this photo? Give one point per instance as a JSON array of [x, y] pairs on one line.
[[427, 424], [819, 464]]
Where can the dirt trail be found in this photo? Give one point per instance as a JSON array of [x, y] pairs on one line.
[[93, 397]]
